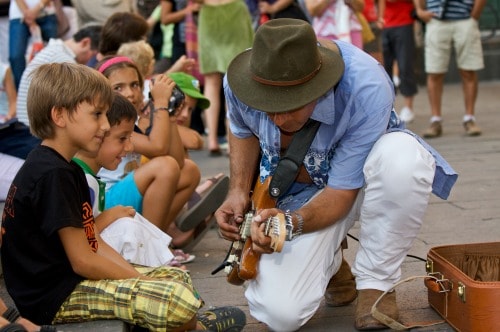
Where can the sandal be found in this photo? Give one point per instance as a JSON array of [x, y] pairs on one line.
[[12, 315], [13, 327], [181, 257], [175, 263], [200, 232], [204, 204]]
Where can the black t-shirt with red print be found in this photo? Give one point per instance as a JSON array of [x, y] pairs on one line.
[[48, 193]]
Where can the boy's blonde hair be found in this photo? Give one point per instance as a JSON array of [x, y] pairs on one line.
[[141, 53], [63, 85]]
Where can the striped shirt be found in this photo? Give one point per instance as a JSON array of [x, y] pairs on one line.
[[55, 52], [451, 9]]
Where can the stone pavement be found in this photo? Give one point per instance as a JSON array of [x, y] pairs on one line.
[[471, 214]]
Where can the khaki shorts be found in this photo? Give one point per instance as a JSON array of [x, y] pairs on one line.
[[464, 35]]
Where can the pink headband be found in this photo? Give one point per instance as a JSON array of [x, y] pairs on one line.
[[112, 61]]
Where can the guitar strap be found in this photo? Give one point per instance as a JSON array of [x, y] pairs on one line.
[[289, 164]]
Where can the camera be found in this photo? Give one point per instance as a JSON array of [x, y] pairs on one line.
[[176, 100]]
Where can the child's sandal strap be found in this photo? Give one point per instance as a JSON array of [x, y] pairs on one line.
[[11, 314]]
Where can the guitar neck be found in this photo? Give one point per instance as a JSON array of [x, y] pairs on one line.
[[245, 225]]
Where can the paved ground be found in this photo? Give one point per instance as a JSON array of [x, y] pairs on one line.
[[471, 214]]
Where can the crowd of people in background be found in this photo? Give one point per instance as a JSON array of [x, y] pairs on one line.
[[149, 49], [177, 29]]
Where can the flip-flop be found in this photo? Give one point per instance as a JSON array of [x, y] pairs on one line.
[[208, 202], [199, 232], [182, 257], [12, 315], [13, 327]]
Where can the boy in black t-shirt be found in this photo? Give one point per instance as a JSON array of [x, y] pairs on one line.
[[56, 267]]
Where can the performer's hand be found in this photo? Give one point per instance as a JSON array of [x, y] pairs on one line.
[[261, 243], [230, 215]]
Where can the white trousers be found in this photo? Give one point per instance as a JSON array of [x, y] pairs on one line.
[[290, 285]]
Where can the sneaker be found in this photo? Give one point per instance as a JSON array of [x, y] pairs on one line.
[[396, 80], [406, 115], [227, 319], [435, 130], [471, 129]]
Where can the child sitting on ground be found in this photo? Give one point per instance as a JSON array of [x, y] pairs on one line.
[[210, 194], [157, 138], [56, 267], [130, 234], [159, 188]]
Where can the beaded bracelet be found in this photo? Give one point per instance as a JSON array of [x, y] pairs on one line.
[[290, 234]]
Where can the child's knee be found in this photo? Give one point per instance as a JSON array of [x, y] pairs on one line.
[[165, 166], [192, 169]]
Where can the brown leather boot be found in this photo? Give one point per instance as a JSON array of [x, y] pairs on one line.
[[341, 289], [366, 298]]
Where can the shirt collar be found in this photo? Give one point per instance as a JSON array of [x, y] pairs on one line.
[[325, 108]]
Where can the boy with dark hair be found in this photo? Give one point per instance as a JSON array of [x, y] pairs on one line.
[[56, 267], [130, 234]]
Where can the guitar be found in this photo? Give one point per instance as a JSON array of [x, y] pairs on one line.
[[241, 261]]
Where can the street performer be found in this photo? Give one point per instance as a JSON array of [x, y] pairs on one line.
[[362, 165]]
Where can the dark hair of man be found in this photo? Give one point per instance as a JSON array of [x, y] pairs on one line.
[[121, 110], [119, 28], [91, 31]]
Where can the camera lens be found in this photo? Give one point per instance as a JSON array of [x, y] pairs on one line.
[[176, 100]]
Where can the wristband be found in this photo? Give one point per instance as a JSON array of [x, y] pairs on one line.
[[11, 314], [170, 111]]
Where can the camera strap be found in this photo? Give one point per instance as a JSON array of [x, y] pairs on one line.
[[289, 164]]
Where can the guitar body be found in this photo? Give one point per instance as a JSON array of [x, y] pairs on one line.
[[242, 260]]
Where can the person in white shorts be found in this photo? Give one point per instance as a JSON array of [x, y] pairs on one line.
[[452, 23]]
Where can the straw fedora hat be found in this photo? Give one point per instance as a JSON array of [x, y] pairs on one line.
[[285, 69]]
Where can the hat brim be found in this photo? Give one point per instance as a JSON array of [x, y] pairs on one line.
[[202, 101], [279, 99]]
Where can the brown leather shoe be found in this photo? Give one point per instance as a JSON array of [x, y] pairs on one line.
[[366, 298], [341, 289], [471, 128], [435, 130]]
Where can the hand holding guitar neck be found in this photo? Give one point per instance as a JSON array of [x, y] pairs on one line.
[[243, 256], [268, 231]]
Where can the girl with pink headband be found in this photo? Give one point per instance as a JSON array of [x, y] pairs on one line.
[[166, 178]]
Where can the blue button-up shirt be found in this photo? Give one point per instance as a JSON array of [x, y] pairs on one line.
[[353, 118]]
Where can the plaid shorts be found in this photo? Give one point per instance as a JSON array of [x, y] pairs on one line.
[[162, 304]]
